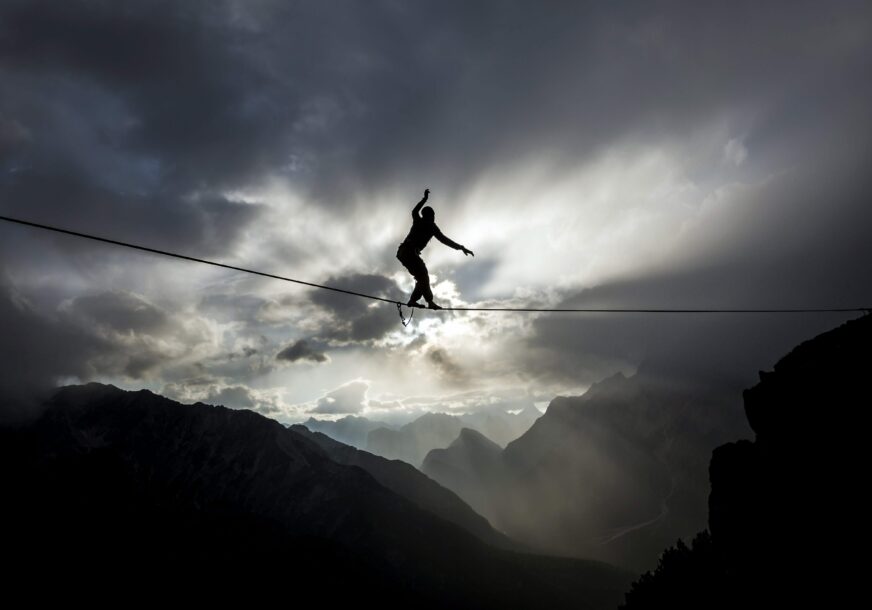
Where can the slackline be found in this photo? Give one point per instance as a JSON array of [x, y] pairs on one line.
[[193, 259]]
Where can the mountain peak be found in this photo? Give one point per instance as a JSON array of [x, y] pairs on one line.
[[471, 437]]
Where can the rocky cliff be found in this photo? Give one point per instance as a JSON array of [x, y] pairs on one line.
[[786, 513]]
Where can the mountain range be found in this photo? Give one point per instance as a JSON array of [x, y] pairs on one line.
[[129, 493], [616, 474], [351, 430], [116, 495], [413, 441]]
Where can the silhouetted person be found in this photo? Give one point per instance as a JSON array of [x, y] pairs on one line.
[[423, 228]]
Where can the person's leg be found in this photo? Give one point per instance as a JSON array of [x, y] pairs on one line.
[[403, 257], [416, 293], [422, 279], [412, 263]]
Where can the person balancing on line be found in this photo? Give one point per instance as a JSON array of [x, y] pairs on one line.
[[409, 253]]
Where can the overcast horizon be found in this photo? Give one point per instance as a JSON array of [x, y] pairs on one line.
[[652, 155]]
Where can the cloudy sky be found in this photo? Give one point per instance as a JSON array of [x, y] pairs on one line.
[[652, 154]]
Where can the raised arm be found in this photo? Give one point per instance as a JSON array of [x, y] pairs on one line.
[[416, 211], [449, 242]]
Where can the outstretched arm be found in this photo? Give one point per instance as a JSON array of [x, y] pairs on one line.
[[416, 211], [450, 243]]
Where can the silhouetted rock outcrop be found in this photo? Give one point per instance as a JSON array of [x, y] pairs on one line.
[[784, 511], [132, 494], [615, 474]]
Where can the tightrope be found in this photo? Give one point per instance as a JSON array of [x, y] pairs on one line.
[[273, 276]]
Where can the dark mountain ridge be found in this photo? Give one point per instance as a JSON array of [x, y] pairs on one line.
[[133, 489], [408, 482]]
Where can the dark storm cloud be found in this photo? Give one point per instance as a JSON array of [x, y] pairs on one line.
[[200, 97], [432, 93], [35, 351], [371, 92], [13, 136], [349, 97], [178, 75], [375, 323], [134, 118], [203, 226], [119, 311], [103, 334], [135, 336], [353, 319], [301, 350], [365, 283]]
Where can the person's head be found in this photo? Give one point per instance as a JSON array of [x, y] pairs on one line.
[[428, 213]]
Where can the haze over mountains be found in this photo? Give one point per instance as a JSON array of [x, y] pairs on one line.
[[500, 422], [615, 474], [351, 430]]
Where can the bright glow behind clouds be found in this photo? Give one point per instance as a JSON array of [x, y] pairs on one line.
[[589, 155]]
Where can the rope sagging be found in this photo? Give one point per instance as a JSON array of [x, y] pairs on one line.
[[399, 304]]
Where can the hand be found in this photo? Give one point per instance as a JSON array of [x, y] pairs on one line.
[[426, 193], [466, 251]]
